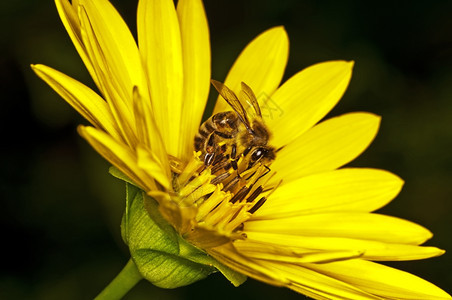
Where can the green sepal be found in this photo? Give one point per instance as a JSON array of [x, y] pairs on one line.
[[118, 174], [160, 254]]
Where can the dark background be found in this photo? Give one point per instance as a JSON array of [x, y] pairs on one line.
[[60, 210]]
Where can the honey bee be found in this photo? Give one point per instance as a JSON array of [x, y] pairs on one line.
[[227, 136]]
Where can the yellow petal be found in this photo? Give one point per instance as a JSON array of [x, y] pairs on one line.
[[381, 280], [151, 164], [327, 146], [122, 59], [348, 189], [397, 252], [291, 254], [228, 255], [120, 105], [159, 40], [305, 99], [84, 100], [71, 22], [147, 131], [330, 295], [196, 58], [300, 279], [260, 65], [348, 225], [371, 250], [323, 287], [117, 154]]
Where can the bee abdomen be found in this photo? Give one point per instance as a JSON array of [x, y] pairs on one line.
[[203, 134], [199, 142]]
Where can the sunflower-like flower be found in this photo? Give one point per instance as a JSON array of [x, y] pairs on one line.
[[257, 189]]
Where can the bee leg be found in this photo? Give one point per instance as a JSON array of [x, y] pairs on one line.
[[209, 158], [234, 159], [210, 144], [234, 164], [233, 151], [210, 149], [266, 172]]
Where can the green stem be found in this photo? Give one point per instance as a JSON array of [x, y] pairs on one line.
[[122, 283]]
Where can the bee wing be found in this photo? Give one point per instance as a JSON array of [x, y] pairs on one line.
[[233, 101], [250, 98]]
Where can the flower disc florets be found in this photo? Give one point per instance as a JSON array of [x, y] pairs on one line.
[[215, 200]]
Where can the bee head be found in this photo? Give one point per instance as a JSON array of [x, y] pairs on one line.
[[262, 154]]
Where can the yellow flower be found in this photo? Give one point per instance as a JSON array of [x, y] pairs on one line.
[[305, 223]]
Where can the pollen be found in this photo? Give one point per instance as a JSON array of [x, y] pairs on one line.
[[224, 198]]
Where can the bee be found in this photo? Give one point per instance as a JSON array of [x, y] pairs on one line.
[[227, 136]]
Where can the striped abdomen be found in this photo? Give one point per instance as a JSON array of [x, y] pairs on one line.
[[221, 126]]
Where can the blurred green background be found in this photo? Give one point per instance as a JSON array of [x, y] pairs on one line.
[[60, 210]]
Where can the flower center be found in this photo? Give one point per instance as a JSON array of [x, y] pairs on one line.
[[224, 197], [216, 199]]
